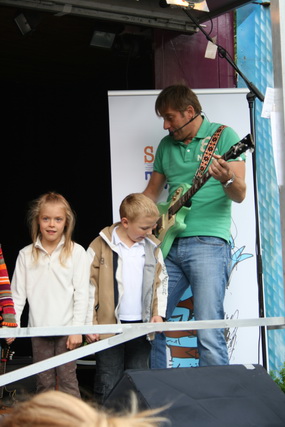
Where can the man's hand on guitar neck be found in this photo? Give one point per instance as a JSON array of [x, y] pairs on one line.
[[231, 173]]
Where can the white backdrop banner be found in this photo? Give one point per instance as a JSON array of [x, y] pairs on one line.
[[135, 132]]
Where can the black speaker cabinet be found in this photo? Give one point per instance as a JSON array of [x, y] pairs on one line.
[[216, 396]]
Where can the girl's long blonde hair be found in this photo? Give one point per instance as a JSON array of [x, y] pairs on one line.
[[33, 222]]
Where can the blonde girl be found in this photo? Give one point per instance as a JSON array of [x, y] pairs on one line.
[[52, 275]]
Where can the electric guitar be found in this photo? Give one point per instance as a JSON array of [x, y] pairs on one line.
[[173, 212]]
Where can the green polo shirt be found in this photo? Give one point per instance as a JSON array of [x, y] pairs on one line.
[[210, 212]]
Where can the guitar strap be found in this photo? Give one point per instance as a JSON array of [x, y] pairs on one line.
[[208, 153]]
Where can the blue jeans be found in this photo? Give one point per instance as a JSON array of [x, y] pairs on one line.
[[203, 263]]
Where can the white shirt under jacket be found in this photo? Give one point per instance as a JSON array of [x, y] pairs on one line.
[[57, 294]]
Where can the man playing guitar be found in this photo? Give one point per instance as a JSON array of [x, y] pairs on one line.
[[200, 254]]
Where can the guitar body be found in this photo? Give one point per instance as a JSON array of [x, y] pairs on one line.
[[171, 226]]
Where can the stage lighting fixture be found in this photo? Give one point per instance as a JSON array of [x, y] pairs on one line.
[[27, 21], [197, 4], [23, 24], [102, 39]]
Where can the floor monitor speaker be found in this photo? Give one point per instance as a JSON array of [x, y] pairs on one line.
[[216, 396]]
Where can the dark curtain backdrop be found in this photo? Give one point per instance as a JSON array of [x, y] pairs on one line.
[[55, 123]]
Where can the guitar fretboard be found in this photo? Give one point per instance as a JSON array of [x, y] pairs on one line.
[[197, 184]]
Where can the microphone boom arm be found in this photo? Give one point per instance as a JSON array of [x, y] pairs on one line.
[[224, 54]]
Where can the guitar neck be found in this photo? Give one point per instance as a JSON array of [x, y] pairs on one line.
[[235, 151], [197, 184], [3, 364]]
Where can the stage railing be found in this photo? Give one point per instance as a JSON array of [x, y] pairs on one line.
[[124, 332]]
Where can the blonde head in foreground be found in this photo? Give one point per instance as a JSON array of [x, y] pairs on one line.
[[57, 409]]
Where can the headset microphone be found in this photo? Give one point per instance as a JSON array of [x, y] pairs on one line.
[[185, 124]]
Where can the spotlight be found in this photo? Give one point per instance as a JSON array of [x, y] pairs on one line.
[[27, 21], [102, 39], [193, 4]]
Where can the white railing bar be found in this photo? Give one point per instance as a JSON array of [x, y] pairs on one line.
[[147, 327], [125, 332]]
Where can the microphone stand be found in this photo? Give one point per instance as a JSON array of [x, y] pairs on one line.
[[251, 96]]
